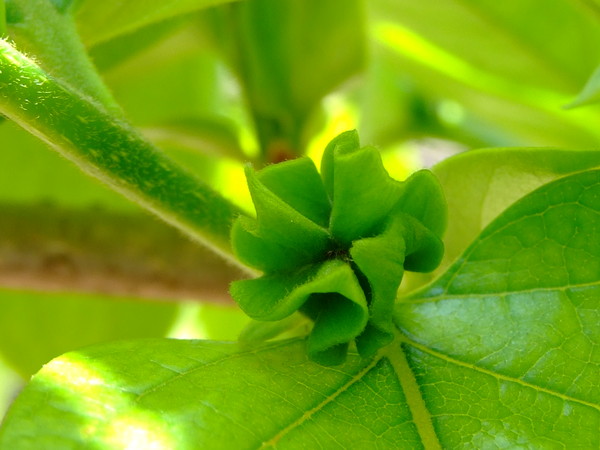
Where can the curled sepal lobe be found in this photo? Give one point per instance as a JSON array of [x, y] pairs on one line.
[[335, 245]]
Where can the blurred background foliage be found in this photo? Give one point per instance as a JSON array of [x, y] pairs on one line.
[[259, 81]]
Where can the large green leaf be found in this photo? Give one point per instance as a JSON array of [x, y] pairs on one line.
[[507, 38], [590, 92], [499, 352], [287, 56], [172, 394], [480, 184], [100, 21], [506, 341], [491, 62]]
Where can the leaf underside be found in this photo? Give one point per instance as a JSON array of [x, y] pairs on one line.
[[499, 352]]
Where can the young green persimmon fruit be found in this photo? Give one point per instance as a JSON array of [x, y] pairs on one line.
[[335, 245]]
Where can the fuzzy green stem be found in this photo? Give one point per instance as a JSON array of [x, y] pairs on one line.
[[43, 28], [111, 150]]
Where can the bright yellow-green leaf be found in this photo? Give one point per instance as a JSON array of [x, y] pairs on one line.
[[590, 92], [100, 21], [480, 184]]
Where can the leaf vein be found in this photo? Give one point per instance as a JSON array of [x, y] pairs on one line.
[[330, 398], [496, 375]]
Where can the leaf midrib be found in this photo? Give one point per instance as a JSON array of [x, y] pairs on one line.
[[272, 442], [203, 365], [405, 340], [421, 416], [419, 298]]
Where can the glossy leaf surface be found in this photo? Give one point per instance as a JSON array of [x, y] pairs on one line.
[[481, 184], [282, 399], [512, 328]]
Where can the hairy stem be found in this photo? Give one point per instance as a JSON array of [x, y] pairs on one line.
[[43, 29], [109, 149]]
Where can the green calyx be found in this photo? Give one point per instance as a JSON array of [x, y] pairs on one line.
[[335, 245]]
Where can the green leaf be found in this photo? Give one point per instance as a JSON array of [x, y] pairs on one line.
[[116, 51], [111, 150], [491, 67], [191, 394], [590, 92], [191, 79], [506, 339], [282, 53], [515, 48], [2, 18], [100, 21], [481, 184]]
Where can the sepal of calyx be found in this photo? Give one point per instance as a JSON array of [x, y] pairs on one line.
[[335, 245]]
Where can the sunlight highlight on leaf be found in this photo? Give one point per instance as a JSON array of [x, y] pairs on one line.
[[138, 431], [413, 46], [73, 373], [113, 420], [90, 390]]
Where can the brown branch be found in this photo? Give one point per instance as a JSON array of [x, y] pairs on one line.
[[49, 248]]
